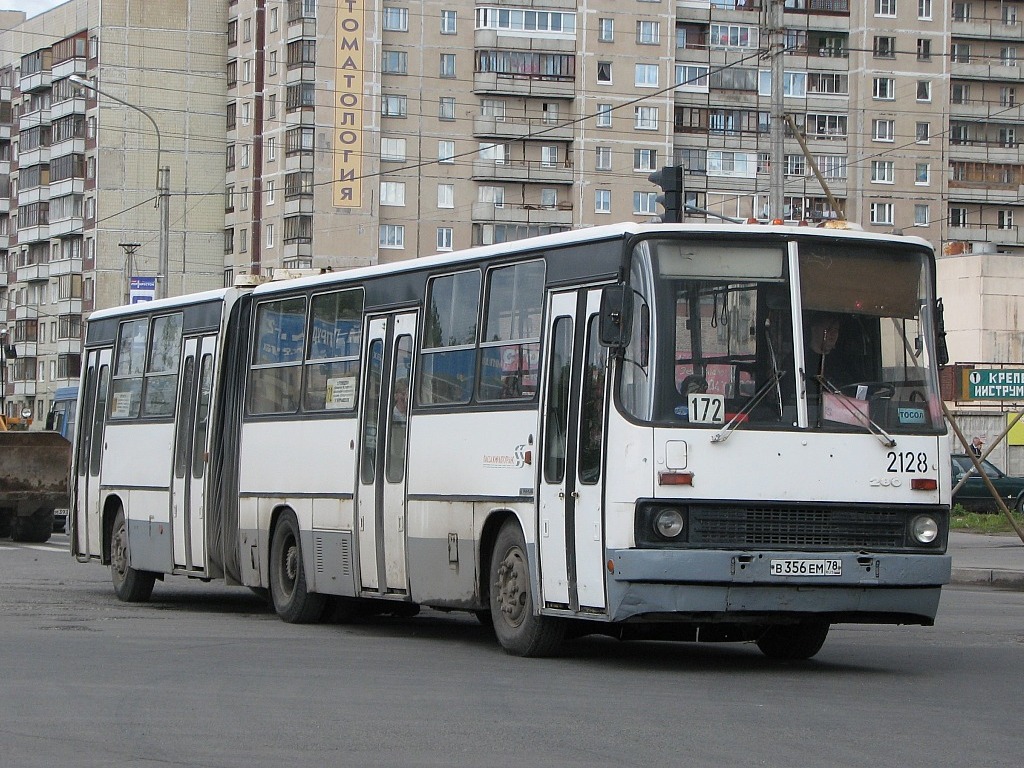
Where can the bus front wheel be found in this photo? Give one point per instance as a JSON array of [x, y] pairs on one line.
[[130, 585], [292, 599], [519, 629], [791, 642]]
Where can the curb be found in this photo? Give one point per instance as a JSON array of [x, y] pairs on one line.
[[988, 577]]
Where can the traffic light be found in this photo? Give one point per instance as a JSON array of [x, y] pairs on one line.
[[670, 179]]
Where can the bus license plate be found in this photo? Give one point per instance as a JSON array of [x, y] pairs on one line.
[[807, 567]]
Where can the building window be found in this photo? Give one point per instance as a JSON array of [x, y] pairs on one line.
[[446, 151], [445, 238], [229, 198], [549, 113], [882, 213], [271, 190], [448, 22], [549, 197], [604, 72], [298, 141], [298, 230], [644, 203], [884, 47], [394, 62], [606, 30], [924, 90], [924, 9], [549, 156], [958, 217], [1004, 218], [271, 149], [391, 236], [602, 201], [648, 33], [645, 159], [392, 105], [392, 193], [883, 171], [243, 240], [604, 116], [396, 19], [493, 195], [923, 133], [884, 88], [1008, 56], [921, 216], [645, 118], [446, 108], [922, 174], [602, 158], [270, 234], [645, 76], [243, 199], [392, 150], [883, 130], [445, 195], [924, 49], [885, 7], [447, 67]]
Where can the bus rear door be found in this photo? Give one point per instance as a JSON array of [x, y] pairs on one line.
[[571, 533], [87, 525]]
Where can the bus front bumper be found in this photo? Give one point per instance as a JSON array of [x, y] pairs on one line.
[[726, 586]]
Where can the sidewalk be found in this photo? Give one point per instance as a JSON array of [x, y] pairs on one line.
[[987, 560]]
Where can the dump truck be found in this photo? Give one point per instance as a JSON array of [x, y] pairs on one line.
[[34, 477]]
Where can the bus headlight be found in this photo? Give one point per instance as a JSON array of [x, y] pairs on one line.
[[669, 523], [924, 529]]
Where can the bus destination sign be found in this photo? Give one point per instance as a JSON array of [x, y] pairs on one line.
[[995, 384]]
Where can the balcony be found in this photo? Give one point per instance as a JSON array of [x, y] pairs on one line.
[[33, 273], [989, 111], [72, 186], [299, 162], [73, 66], [30, 157], [69, 307], [65, 266], [74, 146], [560, 214], [990, 72], [25, 388], [32, 119], [501, 84], [515, 128], [983, 29], [33, 234], [37, 81], [980, 193], [984, 233], [298, 205], [522, 171], [63, 227], [33, 195], [72, 106], [23, 312]]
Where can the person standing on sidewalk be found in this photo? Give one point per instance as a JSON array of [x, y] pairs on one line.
[[976, 446]]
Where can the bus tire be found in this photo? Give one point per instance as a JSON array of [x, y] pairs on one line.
[[292, 599], [130, 585], [793, 642], [519, 629]]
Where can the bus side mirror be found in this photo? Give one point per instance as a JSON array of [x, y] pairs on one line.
[[941, 351], [616, 315]]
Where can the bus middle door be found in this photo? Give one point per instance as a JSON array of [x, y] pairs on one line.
[[190, 453], [383, 440], [571, 533]]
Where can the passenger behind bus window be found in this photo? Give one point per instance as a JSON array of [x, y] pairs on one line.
[[825, 356]]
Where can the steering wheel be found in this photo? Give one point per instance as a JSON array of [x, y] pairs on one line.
[[876, 389]]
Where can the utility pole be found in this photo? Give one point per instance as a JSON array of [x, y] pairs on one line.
[[129, 267], [776, 48], [164, 198]]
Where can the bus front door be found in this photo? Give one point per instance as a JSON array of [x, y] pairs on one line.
[[87, 528], [190, 453], [383, 418], [571, 531]]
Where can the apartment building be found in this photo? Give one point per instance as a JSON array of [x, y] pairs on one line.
[[346, 133], [79, 213]]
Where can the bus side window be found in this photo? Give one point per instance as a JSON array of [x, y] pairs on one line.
[[557, 415]]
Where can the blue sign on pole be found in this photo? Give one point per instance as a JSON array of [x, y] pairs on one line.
[[141, 289]]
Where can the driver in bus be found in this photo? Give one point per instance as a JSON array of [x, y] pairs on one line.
[[822, 358]]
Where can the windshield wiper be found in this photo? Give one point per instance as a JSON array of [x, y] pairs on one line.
[[865, 421], [739, 417]]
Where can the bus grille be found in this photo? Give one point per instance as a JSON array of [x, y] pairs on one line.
[[785, 528]]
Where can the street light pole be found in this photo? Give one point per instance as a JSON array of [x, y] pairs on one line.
[[163, 184]]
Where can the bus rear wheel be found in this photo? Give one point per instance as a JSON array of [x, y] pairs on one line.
[[520, 631], [790, 642], [130, 585], [292, 599]]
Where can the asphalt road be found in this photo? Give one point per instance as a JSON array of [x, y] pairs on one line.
[[205, 676]]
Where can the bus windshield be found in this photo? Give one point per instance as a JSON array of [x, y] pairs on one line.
[[720, 336]]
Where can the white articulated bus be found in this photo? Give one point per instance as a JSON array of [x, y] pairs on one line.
[[676, 431]]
